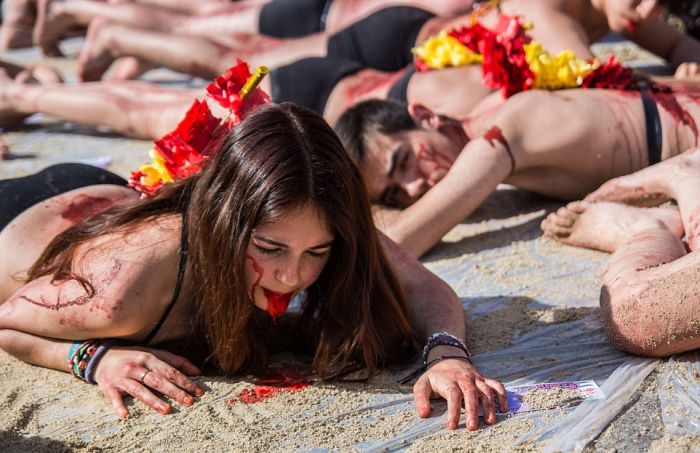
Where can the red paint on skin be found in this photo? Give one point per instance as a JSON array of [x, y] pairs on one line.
[[368, 82], [99, 288], [496, 134], [258, 270], [431, 157], [287, 378], [631, 25], [669, 102], [84, 206]]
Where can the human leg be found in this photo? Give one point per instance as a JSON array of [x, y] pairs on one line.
[[188, 54], [135, 109], [650, 299], [17, 21]]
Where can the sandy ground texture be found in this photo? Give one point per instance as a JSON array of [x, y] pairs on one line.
[[533, 317]]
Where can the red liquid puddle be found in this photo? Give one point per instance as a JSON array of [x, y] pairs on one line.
[[287, 378], [84, 206], [277, 303]]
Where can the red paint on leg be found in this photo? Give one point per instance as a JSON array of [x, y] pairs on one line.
[[694, 230], [84, 206], [287, 378]]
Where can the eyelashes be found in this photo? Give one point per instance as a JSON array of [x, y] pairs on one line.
[[277, 251]]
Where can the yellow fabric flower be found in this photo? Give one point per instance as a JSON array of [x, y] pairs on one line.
[[155, 172], [554, 72], [443, 51]]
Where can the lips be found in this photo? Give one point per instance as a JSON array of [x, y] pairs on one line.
[[277, 303]]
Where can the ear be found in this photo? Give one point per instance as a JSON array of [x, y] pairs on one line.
[[424, 116]]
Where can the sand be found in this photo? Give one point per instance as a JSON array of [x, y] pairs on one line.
[[513, 283]]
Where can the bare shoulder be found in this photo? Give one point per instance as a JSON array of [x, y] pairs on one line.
[[131, 276]]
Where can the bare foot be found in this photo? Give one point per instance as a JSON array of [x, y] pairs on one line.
[[96, 55], [39, 73], [129, 68], [18, 18], [604, 225], [9, 116], [650, 186], [51, 24]]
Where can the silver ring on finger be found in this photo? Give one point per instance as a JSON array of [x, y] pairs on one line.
[[143, 376]]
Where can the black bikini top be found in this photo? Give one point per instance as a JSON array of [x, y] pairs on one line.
[[178, 284]]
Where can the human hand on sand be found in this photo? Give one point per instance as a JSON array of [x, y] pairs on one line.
[[459, 381], [132, 371]]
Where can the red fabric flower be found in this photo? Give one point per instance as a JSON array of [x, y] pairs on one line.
[[135, 183], [611, 75], [226, 88], [185, 148], [504, 63], [421, 65]]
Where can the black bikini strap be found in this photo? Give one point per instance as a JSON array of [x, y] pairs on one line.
[[652, 124], [178, 284]]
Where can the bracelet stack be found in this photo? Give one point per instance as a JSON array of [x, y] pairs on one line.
[[434, 340], [83, 358]]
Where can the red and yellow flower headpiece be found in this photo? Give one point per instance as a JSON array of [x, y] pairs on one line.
[[184, 151], [513, 62]]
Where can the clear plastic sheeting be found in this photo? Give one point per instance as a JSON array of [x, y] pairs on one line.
[[570, 351], [679, 392]]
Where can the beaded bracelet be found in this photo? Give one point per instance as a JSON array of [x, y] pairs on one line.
[[434, 340], [443, 339], [80, 356], [95, 359]]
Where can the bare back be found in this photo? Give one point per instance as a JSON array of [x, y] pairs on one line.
[[567, 143]]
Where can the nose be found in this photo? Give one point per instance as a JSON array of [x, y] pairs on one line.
[[290, 273], [416, 187]]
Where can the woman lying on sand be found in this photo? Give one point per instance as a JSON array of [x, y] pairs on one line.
[[650, 300], [208, 265]]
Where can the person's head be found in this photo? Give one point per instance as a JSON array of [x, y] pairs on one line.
[[401, 151], [279, 210], [623, 16]]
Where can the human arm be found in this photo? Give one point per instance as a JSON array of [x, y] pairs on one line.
[[476, 173], [436, 308], [668, 43], [118, 372]]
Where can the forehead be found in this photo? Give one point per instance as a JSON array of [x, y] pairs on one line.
[[379, 148], [300, 225]]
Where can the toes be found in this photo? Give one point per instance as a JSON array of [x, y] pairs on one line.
[[552, 226]]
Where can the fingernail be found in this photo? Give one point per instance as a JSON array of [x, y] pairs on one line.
[[199, 392], [188, 401], [472, 426]]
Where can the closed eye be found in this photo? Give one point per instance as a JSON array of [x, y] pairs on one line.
[[267, 251], [317, 254]]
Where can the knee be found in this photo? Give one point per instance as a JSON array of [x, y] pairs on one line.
[[630, 325]]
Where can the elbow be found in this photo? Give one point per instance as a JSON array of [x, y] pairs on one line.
[[631, 328]]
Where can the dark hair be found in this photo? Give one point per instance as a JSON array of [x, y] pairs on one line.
[[280, 158], [688, 12], [357, 124]]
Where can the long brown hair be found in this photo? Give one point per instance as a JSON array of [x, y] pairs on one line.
[[280, 158]]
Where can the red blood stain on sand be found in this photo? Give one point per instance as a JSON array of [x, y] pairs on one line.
[[287, 378]]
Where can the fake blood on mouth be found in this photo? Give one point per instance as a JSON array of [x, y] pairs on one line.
[[287, 378], [276, 303]]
